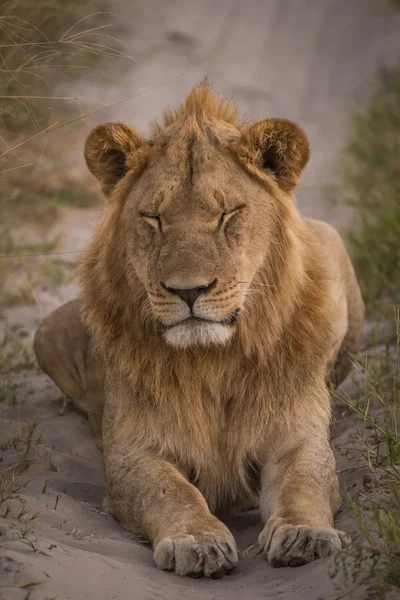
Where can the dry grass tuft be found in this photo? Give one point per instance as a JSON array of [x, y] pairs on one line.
[[45, 46]]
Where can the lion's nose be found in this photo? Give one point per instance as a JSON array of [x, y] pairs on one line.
[[190, 295]]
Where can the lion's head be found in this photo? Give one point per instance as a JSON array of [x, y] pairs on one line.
[[194, 211]]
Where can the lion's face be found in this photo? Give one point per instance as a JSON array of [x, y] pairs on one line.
[[197, 223], [195, 247]]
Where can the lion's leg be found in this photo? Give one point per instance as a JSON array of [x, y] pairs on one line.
[[355, 321], [62, 350], [343, 359], [152, 498], [299, 498]]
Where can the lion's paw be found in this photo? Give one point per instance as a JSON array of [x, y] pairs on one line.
[[286, 545], [212, 555]]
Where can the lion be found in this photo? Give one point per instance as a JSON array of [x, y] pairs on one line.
[[210, 320]]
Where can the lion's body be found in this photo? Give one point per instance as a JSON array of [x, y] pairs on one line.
[[224, 419], [220, 412]]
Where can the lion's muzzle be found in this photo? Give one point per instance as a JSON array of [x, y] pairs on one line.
[[190, 294]]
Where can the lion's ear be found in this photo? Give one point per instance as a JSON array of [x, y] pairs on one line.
[[280, 147], [108, 151]]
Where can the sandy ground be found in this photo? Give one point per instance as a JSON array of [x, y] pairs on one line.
[[310, 60]]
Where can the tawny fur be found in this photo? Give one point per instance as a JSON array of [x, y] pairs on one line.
[[243, 412]]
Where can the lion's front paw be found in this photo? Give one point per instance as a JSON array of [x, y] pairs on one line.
[[209, 554], [286, 545]]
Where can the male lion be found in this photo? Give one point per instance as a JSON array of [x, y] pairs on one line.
[[210, 318]]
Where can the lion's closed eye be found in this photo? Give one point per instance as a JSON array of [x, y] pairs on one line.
[[152, 220], [228, 215]]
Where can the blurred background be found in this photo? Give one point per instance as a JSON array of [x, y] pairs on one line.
[[313, 61], [65, 65]]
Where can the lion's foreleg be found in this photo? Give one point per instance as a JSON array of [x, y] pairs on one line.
[[151, 497], [299, 498]]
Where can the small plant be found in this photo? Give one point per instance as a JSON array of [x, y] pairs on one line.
[[8, 487], [26, 441], [375, 558], [14, 357], [32, 546], [8, 392], [55, 273], [20, 269], [30, 585]]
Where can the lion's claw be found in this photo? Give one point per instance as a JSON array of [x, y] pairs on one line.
[[286, 545], [195, 556]]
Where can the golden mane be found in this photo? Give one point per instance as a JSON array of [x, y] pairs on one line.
[[287, 295], [200, 106]]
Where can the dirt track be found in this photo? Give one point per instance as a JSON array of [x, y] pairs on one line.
[[313, 61]]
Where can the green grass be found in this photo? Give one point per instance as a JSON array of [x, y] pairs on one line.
[[372, 187], [22, 269], [55, 273], [10, 248], [15, 357], [26, 266], [374, 559], [25, 442], [80, 198]]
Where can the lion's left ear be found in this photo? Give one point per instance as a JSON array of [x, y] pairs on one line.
[[280, 147], [110, 152]]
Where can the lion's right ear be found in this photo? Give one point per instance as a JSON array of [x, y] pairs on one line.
[[110, 151]]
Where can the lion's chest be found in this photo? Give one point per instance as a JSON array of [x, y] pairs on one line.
[[215, 444]]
